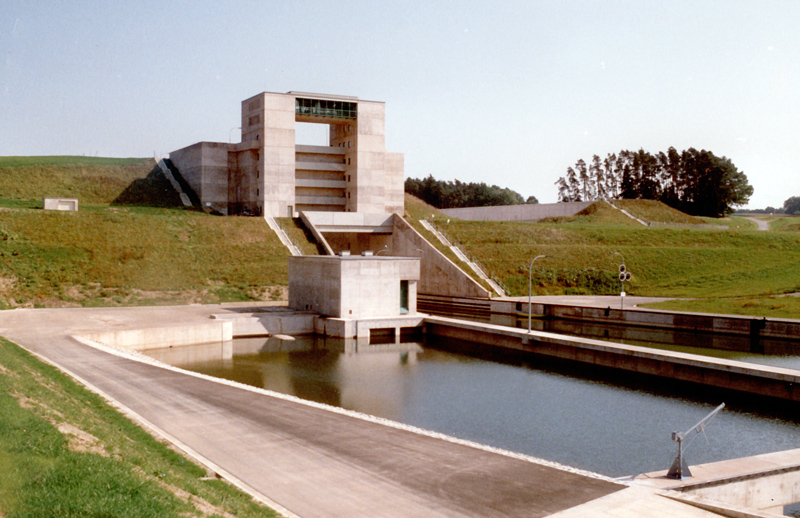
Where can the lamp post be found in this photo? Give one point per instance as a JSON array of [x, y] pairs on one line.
[[385, 249], [530, 281], [230, 133]]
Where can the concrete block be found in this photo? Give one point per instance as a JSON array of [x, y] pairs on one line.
[[65, 204]]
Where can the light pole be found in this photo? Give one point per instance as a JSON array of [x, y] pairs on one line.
[[230, 133], [530, 281], [385, 249]]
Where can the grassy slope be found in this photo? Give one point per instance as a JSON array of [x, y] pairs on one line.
[[65, 452], [680, 262], [119, 248], [415, 210]]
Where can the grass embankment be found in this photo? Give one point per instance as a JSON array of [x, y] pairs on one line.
[[131, 243], [64, 452], [669, 262], [415, 210]]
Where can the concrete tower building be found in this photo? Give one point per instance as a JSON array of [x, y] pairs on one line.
[[269, 174]]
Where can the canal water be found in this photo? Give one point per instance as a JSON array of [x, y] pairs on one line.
[[608, 424]]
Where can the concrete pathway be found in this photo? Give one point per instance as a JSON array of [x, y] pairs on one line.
[[762, 225], [308, 460]]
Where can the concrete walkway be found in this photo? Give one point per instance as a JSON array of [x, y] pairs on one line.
[[762, 225], [310, 461]]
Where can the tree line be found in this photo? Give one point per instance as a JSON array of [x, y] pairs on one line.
[[692, 181], [791, 206], [453, 194]]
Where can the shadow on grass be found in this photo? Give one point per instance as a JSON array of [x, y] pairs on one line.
[[152, 191]]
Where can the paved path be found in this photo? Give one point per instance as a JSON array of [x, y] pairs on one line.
[[762, 225], [310, 461]]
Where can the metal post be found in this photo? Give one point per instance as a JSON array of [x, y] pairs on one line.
[[622, 271], [530, 281]]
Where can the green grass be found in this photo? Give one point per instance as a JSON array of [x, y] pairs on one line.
[[416, 210], [28, 161], [773, 307], [786, 224], [131, 255], [301, 236], [91, 180], [131, 243], [64, 452], [679, 262], [656, 211]]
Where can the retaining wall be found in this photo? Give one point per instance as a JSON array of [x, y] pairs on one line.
[[534, 212], [726, 374]]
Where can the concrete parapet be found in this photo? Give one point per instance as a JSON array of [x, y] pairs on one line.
[[362, 328], [766, 482], [505, 311], [158, 337], [269, 323]]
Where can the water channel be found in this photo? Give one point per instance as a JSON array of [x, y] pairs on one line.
[[602, 423]]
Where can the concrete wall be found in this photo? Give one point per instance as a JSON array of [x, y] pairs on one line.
[[518, 212], [205, 168], [439, 275], [157, 337], [270, 119], [370, 160], [713, 324], [394, 194], [773, 382], [351, 287]]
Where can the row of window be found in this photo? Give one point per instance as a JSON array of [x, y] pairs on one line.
[[323, 108]]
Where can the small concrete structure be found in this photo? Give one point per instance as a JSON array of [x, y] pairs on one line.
[[66, 204], [357, 295], [378, 233], [766, 482]]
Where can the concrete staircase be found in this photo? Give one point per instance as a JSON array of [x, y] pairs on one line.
[[640, 221], [474, 265], [285, 239], [175, 185]]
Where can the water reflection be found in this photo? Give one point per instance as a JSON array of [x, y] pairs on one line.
[[583, 421]]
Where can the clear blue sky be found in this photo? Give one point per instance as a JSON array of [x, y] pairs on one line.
[[507, 93]]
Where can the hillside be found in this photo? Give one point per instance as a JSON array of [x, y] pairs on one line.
[[687, 260], [131, 242]]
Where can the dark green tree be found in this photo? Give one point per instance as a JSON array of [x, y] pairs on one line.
[[792, 205]]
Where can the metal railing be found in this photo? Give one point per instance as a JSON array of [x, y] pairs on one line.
[[476, 264]]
